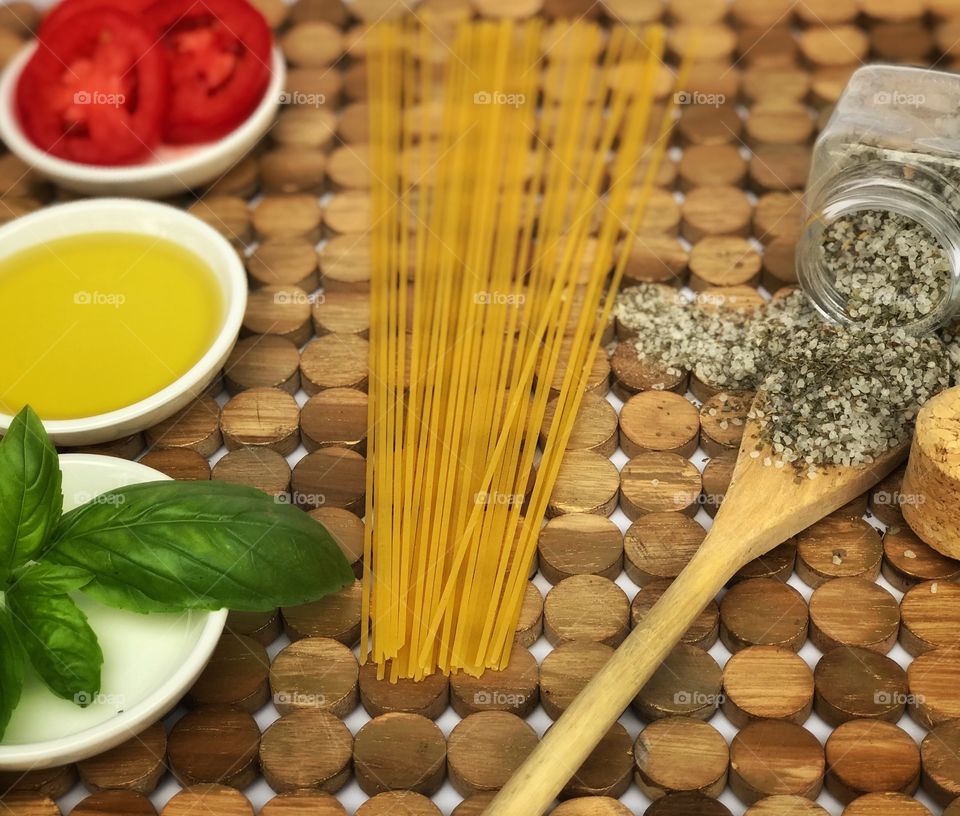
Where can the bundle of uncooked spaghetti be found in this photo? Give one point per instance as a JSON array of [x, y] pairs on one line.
[[493, 167]]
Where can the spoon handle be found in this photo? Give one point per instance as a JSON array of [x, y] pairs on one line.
[[533, 788]]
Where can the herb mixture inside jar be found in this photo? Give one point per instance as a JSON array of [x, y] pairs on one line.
[[891, 270]]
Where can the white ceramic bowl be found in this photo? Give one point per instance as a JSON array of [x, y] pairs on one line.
[[171, 170], [150, 661], [159, 221]]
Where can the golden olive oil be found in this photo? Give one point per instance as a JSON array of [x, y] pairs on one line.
[[92, 323]]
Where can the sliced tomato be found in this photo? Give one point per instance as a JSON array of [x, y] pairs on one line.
[[71, 8], [219, 54], [96, 90]]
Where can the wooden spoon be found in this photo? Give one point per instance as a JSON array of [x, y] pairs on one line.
[[763, 507]]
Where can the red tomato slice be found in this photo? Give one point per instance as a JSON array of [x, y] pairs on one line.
[[219, 52], [96, 90], [71, 8]]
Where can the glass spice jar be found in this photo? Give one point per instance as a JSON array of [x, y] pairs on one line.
[[891, 144]]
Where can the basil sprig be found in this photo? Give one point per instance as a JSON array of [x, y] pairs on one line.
[[156, 547]]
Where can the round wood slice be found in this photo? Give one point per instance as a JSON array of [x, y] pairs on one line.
[[598, 381], [110, 803], [262, 468], [775, 757], [767, 682], [722, 421], [930, 615], [833, 46], [241, 180], [566, 670], [885, 804], [659, 482], [284, 262], [30, 804], [779, 168], [398, 803], [907, 561], [354, 123], [227, 214], [315, 673], [263, 627], [867, 756], [853, 612], [330, 477], [347, 530], [214, 744], [235, 676], [530, 625], [303, 803], [586, 607], [587, 482], [723, 260], [127, 447], [687, 684], [902, 42], [825, 13], [717, 475], [681, 754], [288, 216], [345, 264], [763, 612], [607, 771], [656, 259], [178, 463], [580, 544], [485, 749], [312, 44], [703, 631], [400, 752], [262, 417], [339, 312], [762, 84], [336, 616], [660, 545], [263, 361], [940, 757], [306, 749], [713, 212], [778, 215], [293, 169], [310, 125], [706, 166], [778, 563], [779, 122], [837, 548], [633, 373], [933, 696], [710, 41], [595, 428], [335, 417], [215, 800], [659, 421], [196, 427], [135, 765], [785, 806], [348, 212], [705, 124], [515, 688], [686, 804], [279, 310], [427, 697], [854, 683], [334, 361]]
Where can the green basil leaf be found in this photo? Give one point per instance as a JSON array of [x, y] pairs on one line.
[[30, 491], [40, 578], [199, 545], [12, 667], [59, 642]]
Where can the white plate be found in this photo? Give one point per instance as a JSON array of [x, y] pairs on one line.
[[149, 661], [171, 170]]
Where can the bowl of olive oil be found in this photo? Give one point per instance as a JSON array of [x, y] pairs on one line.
[[114, 314]]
